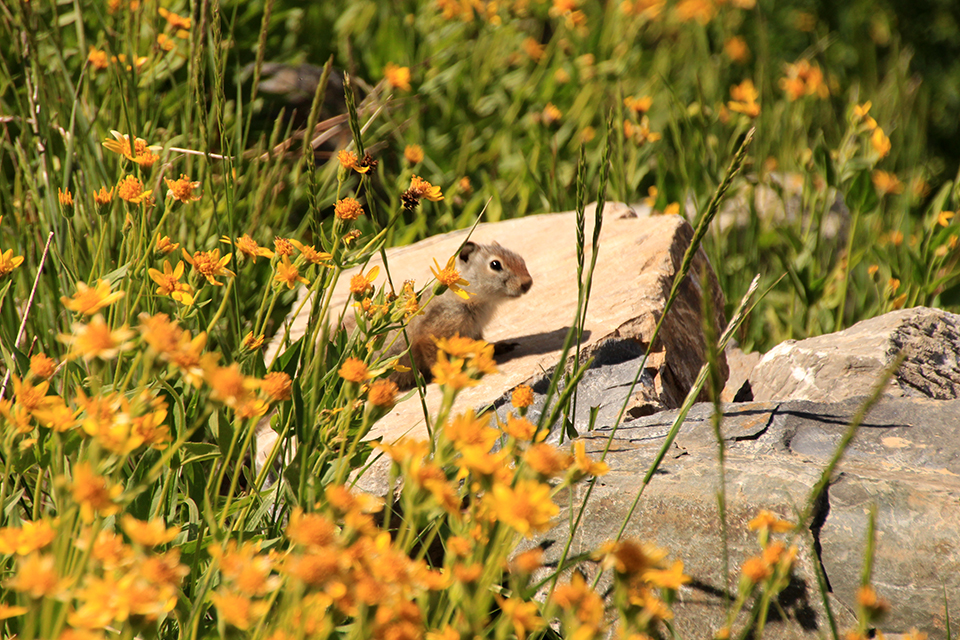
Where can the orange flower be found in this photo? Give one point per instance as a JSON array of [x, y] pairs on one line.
[[169, 283], [94, 493], [362, 285], [65, 198], [383, 393], [413, 153], [310, 253], [353, 370], [638, 105], [277, 385], [288, 274], [209, 264], [130, 189], [142, 153], [97, 58], [880, 142], [745, 99], [348, 209], [42, 365], [102, 196], [398, 77], [886, 183], [148, 534], [89, 300], [165, 246], [528, 508], [249, 247], [182, 189], [175, 21], [737, 50]]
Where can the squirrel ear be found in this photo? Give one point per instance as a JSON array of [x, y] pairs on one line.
[[468, 248]]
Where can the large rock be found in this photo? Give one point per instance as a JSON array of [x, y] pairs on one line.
[[636, 264], [843, 365], [905, 461]]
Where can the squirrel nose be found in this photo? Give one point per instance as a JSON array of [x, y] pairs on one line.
[[526, 283]]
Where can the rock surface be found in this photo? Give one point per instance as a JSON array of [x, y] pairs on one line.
[[842, 365], [904, 460], [636, 264]]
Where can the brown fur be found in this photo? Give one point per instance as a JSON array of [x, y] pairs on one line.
[[495, 274]]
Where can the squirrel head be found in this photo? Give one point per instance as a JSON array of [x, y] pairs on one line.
[[493, 271]]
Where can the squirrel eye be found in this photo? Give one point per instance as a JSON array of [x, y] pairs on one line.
[[495, 265]]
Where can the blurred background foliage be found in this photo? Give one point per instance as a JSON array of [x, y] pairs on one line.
[[500, 96]]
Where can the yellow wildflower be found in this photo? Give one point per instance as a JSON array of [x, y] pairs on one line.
[[413, 153], [745, 99], [102, 196], [532, 48], [182, 189], [383, 393], [9, 262], [522, 397], [420, 188], [522, 615], [769, 521], [353, 370], [546, 459], [310, 253], [886, 183], [312, 530], [142, 153], [362, 285], [672, 578], [585, 465], [702, 11], [449, 277], [348, 209], [89, 300], [130, 189], [238, 610], [397, 77], [7, 611], [944, 217], [27, 538], [148, 534], [880, 142], [170, 285], [165, 246], [94, 493], [252, 342], [737, 50], [248, 247], [97, 340], [277, 385], [65, 198], [42, 365], [282, 246], [638, 105], [551, 114], [97, 58], [209, 264], [175, 21], [288, 274], [164, 42], [36, 576], [527, 508]]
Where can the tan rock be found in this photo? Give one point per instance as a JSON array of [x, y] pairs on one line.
[[635, 268]]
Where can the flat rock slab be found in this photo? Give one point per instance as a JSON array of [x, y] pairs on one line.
[[637, 260], [904, 460], [846, 364]]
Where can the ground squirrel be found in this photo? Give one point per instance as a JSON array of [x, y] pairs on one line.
[[494, 274]]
